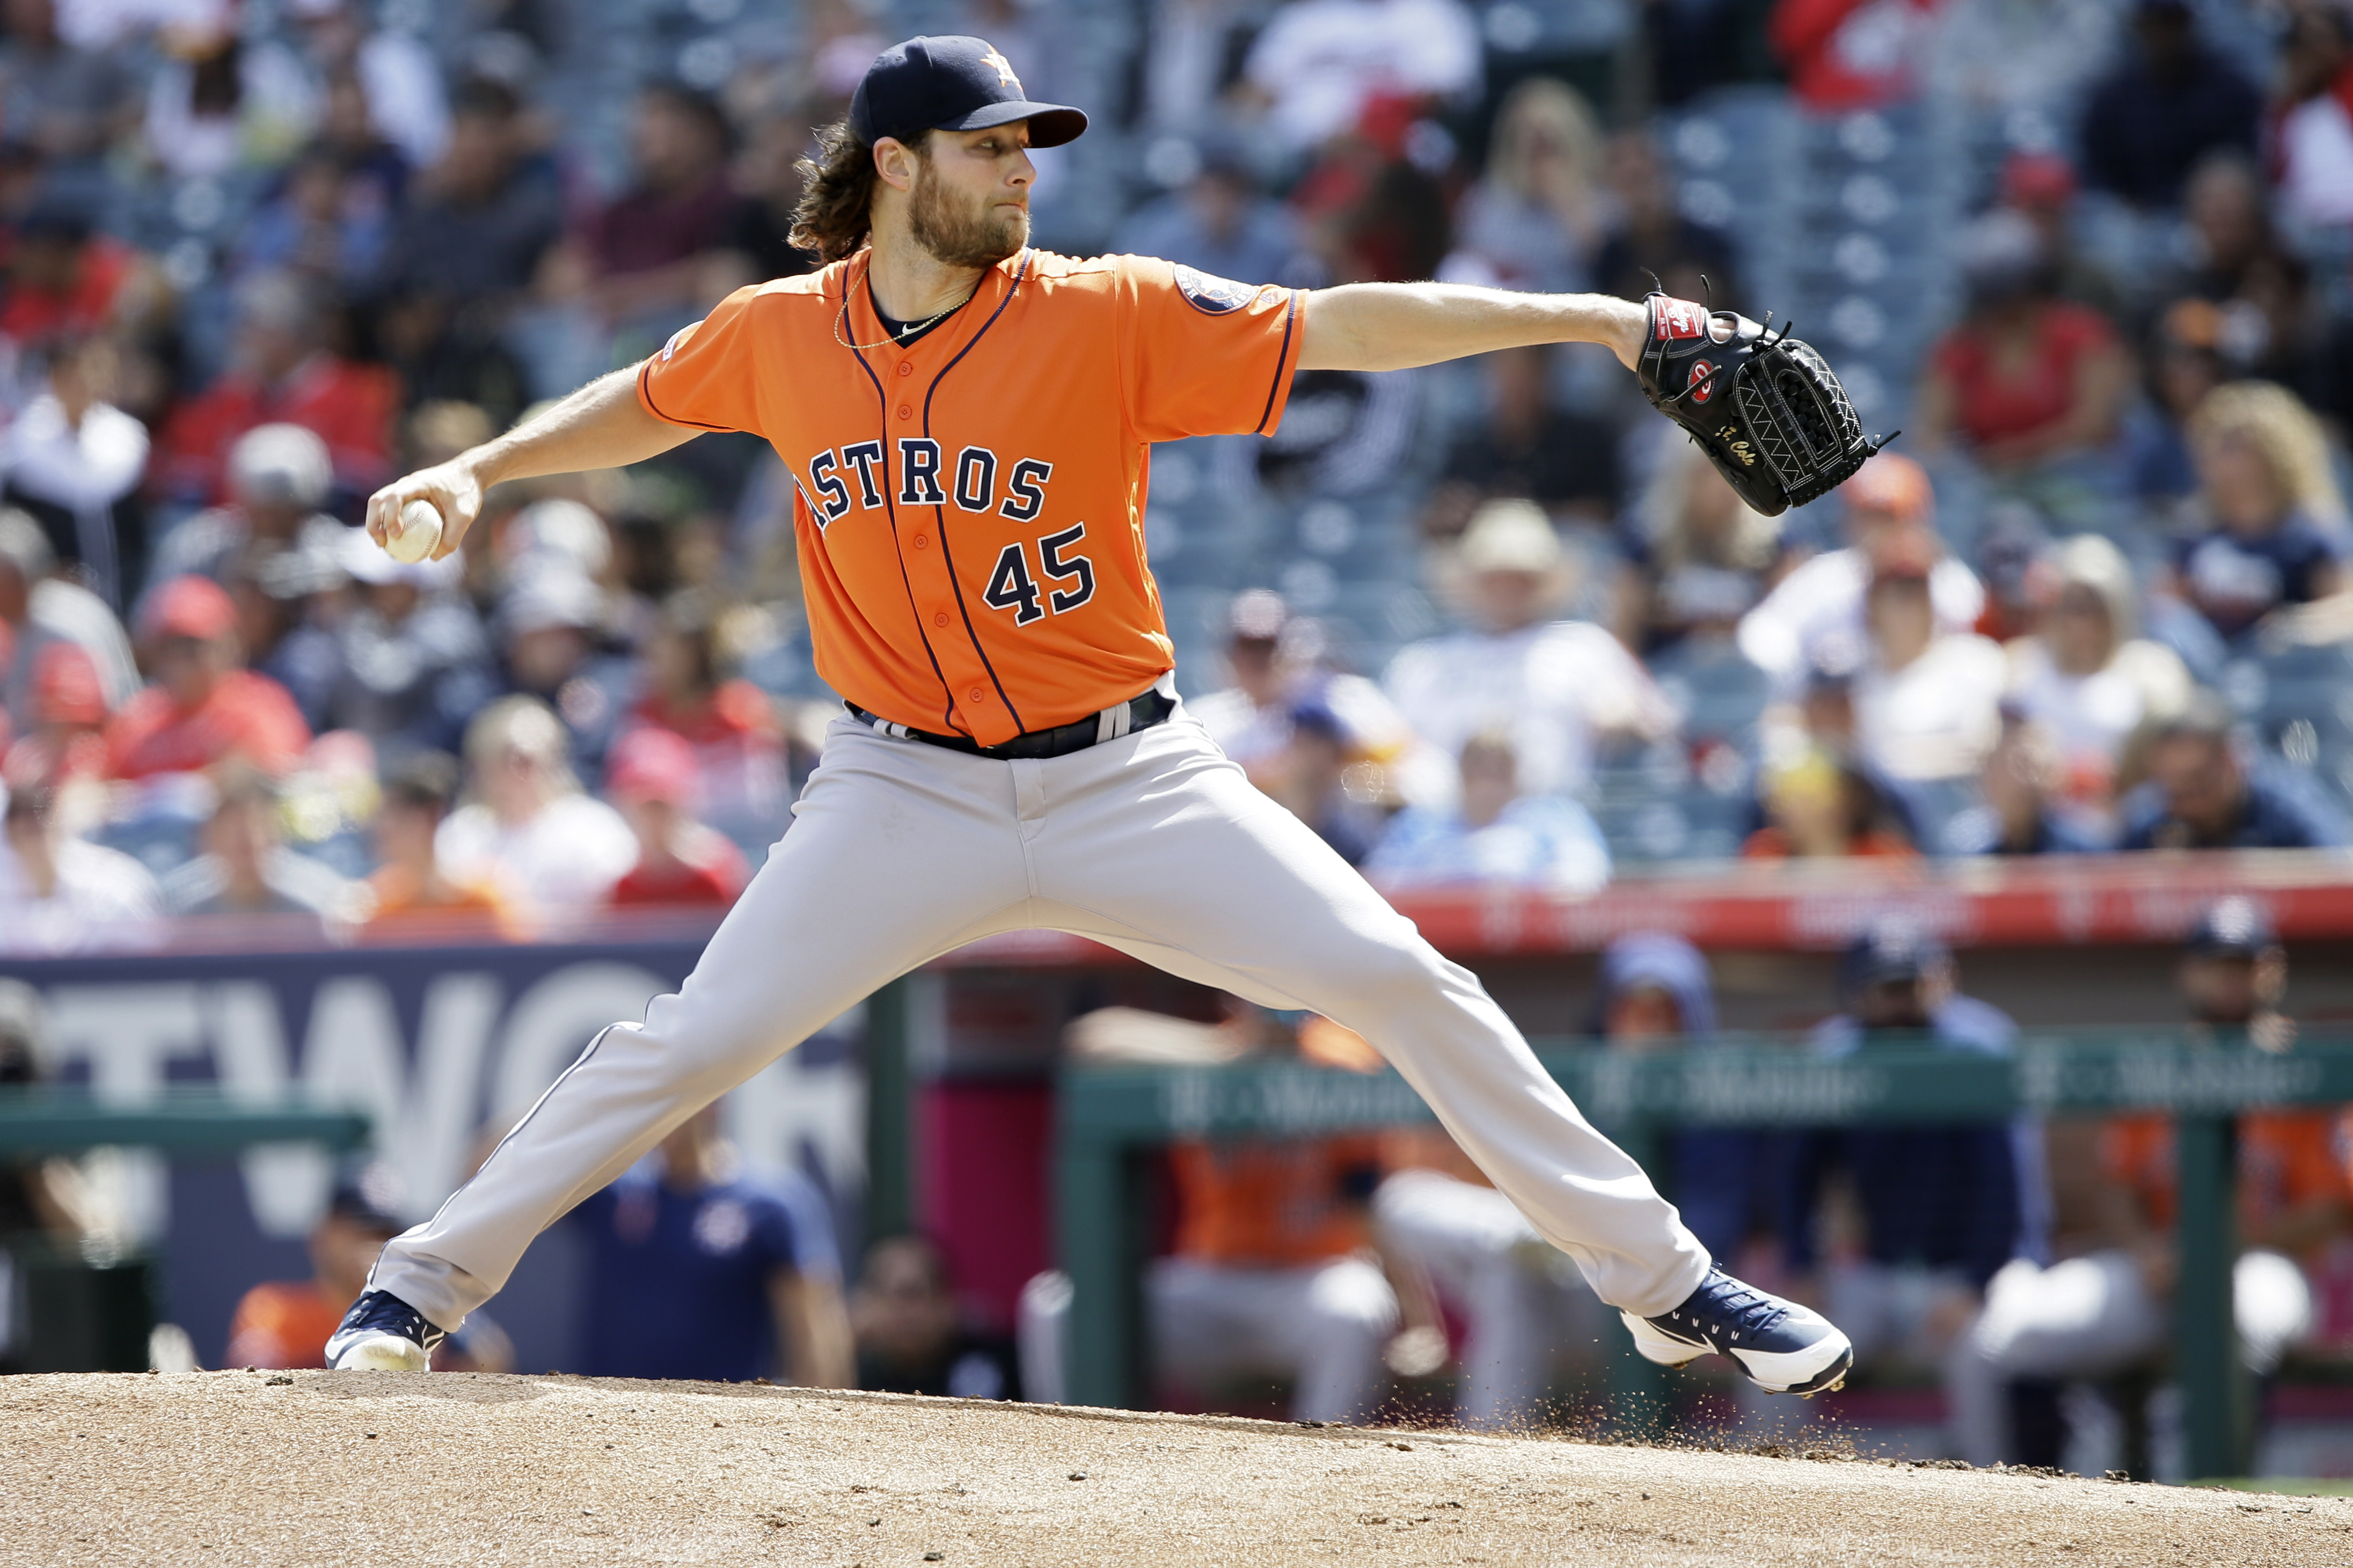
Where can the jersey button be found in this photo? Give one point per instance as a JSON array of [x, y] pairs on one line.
[[905, 412], [941, 619], [976, 694], [906, 367], [920, 541]]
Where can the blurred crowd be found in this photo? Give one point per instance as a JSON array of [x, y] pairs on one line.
[[255, 260], [2094, 600]]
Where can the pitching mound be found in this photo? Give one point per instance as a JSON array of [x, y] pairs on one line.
[[382, 1469]]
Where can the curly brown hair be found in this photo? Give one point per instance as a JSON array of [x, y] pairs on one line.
[[834, 213]]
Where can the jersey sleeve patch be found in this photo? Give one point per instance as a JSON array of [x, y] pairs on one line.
[[1212, 296]]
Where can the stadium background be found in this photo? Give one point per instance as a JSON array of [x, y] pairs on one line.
[[442, 213]]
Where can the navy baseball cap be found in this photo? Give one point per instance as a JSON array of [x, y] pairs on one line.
[[366, 1196], [2232, 928], [951, 84], [1894, 949]]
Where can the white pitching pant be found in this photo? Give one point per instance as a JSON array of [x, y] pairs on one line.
[[1152, 844], [2094, 1317]]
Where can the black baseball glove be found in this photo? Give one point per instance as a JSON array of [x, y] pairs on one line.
[[1761, 404]]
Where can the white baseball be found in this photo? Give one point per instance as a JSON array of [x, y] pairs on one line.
[[420, 531]]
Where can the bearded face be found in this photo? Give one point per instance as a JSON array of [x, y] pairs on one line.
[[961, 227]]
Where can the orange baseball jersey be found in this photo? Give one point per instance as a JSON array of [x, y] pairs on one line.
[[970, 514], [2287, 1158], [282, 1323], [1263, 1203]]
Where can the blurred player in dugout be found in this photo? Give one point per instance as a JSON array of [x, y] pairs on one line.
[[2104, 1309], [1900, 1229], [911, 1337], [697, 1270], [1273, 1274], [1526, 1316], [285, 1323]]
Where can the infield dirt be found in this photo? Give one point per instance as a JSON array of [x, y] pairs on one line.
[[384, 1469]]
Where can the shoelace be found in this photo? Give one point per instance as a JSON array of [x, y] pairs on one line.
[[379, 1309], [1743, 1309]]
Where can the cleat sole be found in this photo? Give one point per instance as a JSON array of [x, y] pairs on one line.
[[386, 1352]]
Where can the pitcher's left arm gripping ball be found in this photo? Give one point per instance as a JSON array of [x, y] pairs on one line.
[[1763, 406]]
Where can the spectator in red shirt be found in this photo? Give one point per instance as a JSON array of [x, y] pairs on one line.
[[2026, 379], [731, 724], [61, 279], [281, 371], [653, 250], [1370, 213], [679, 862], [67, 743], [204, 706], [1851, 54]]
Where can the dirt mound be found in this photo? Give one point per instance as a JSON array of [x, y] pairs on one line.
[[382, 1469]]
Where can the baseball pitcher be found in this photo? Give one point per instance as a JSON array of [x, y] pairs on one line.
[[970, 421]]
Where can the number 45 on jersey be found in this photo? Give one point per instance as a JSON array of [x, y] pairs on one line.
[[1012, 586]]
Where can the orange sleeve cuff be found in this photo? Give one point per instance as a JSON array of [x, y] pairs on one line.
[[1286, 364], [645, 401]]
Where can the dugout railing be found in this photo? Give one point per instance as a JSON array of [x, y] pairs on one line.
[[90, 1309], [46, 1122], [1112, 1119]]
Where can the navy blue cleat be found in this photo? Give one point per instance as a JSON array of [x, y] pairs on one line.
[[1782, 1347], [382, 1333]]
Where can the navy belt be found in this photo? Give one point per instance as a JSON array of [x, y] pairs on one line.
[[1120, 719]]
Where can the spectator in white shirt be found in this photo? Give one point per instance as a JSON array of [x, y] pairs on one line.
[[405, 103], [1927, 702], [1538, 214], [2086, 676], [73, 461], [1561, 689], [216, 100], [1273, 658], [1251, 719], [2314, 135], [1814, 615], [1319, 61], [1187, 60], [529, 831], [62, 894]]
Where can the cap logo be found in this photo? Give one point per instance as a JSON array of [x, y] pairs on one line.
[[1005, 77]]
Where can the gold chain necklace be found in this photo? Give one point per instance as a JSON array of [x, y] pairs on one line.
[[841, 317]]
